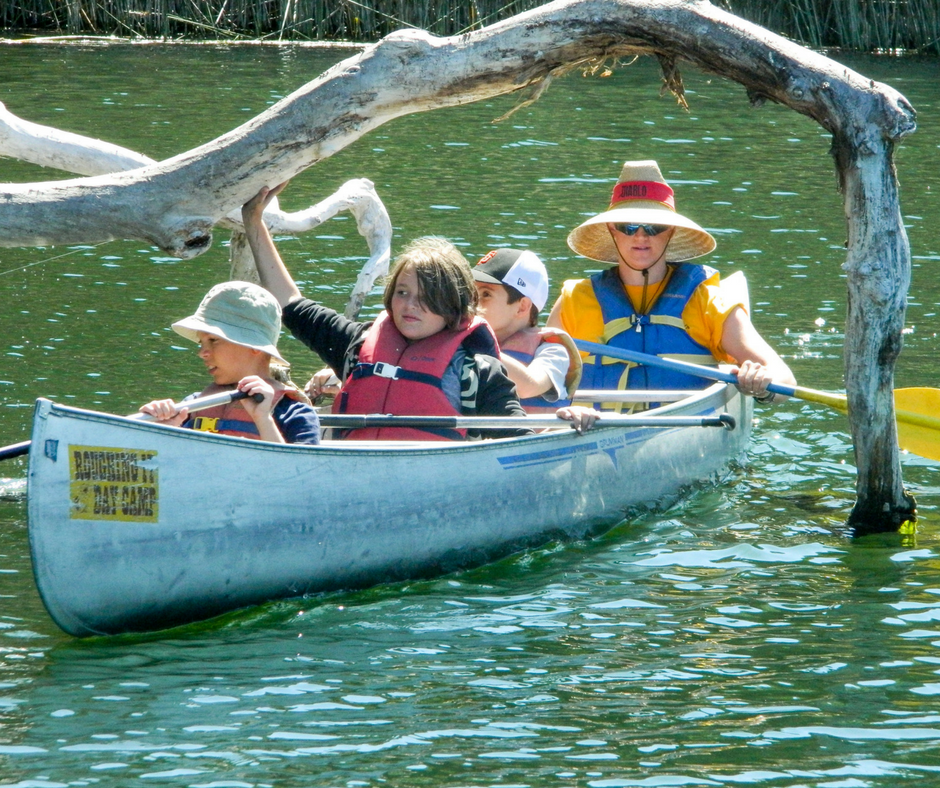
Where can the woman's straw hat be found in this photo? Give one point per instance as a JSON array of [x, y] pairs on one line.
[[241, 312], [641, 196]]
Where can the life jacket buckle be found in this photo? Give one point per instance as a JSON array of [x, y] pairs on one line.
[[205, 424], [384, 370]]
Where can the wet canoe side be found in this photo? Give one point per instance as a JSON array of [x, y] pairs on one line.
[[136, 527]]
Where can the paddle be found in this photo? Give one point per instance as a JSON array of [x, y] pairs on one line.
[[918, 428], [353, 421], [200, 403]]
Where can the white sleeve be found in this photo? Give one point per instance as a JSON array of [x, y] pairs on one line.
[[552, 358]]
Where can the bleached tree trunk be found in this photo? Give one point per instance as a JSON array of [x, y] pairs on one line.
[[49, 147], [879, 275], [174, 204]]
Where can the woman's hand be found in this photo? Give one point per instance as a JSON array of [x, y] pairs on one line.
[[753, 379]]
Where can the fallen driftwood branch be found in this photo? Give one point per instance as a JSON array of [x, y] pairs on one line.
[[50, 147], [174, 204], [372, 220]]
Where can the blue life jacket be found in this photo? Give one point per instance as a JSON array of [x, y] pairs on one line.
[[660, 332]]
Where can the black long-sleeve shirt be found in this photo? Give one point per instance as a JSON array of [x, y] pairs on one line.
[[338, 340]]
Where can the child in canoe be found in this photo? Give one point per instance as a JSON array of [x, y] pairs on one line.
[[427, 354], [544, 363], [237, 326]]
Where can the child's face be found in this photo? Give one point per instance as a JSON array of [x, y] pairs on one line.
[[226, 362], [502, 316], [410, 316]]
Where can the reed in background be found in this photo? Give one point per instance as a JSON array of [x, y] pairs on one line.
[[892, 26], [887, 26]]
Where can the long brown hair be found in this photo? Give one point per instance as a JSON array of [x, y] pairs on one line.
[[444, 279]]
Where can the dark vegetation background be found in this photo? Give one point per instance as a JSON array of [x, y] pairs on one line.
[[890, 26]]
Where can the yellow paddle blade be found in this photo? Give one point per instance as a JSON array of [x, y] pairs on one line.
[[918, 414], [917, 411]]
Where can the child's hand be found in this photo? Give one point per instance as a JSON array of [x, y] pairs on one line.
[[323, 384], [166, 411], [582, 418], [254, 208], [261, 412], [252, 385]]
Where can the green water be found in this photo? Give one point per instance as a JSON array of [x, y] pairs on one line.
[[737, 638]]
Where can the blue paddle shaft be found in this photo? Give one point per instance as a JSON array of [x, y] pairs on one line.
[[668, 363]]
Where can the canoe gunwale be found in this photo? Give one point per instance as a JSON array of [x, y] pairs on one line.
[[698, 401]]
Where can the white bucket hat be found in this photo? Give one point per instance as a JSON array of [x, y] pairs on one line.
[[641, 196], [241, 312]]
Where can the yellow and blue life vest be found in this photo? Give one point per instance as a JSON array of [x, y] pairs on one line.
[[661, 331]]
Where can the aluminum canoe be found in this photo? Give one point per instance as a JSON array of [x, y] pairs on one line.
[[137, 527]]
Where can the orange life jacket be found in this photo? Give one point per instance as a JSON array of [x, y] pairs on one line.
[[523, 345], [231, 418]]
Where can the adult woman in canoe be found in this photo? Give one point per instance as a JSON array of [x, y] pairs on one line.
[[653, 302], [426, 354]]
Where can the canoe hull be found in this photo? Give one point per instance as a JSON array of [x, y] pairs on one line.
[[137, 527]]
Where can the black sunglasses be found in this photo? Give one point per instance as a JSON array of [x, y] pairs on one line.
[[631, 229]]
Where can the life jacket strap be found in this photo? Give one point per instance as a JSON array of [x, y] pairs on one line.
[[383, 370], [669, 320], [223, 426], [614, 327]]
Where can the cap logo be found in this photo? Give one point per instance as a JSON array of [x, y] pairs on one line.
[[521, 283], [644, 190], [487, 257]]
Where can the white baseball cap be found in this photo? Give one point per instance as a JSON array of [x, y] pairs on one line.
[[517, 268]]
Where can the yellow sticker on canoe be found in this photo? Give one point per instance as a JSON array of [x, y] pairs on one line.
[[113, 484]]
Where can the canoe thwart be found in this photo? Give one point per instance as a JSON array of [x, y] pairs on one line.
[[357, 421]]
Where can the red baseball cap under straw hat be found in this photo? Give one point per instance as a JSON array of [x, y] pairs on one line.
[[641, 196]]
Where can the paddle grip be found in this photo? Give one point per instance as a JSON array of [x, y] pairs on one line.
[[245, 395]]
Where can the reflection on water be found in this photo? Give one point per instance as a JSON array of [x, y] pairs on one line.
[[736, 638]]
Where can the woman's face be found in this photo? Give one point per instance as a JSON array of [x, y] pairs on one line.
[[413, 320], [640, 252]]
